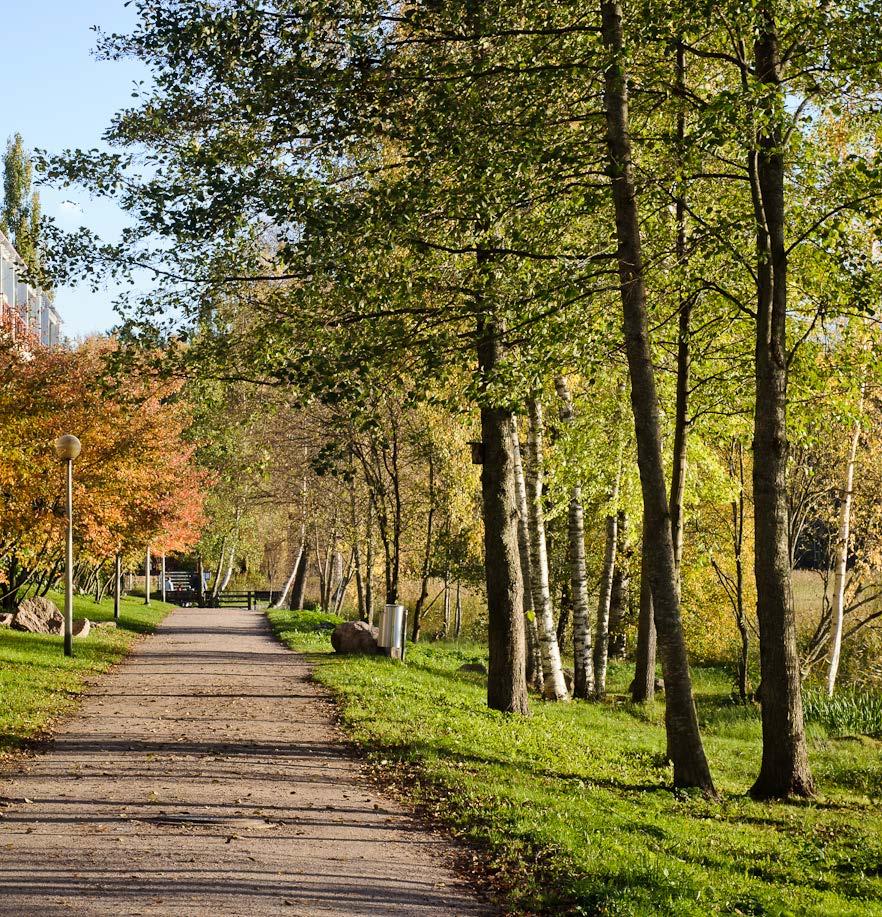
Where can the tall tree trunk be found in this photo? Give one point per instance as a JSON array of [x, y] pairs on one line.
[[619, 597], [356, 546], [842, 553], [533, 656], [147, 569], [684, 357], [286, 590], [215, 585], [445, 633], [552, 669], [738, 543], [601, 640], [457, 619], [563, 619], [369, 566], [298, 590], [681, 721], [506, 679], [229, 572], [784, 770], [643, 686], [427, 555], [343, 584], [583, 662]]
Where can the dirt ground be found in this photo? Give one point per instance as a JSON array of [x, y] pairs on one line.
[[205, 776]]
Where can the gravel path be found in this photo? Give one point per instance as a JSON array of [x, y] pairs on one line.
[[205, 776]]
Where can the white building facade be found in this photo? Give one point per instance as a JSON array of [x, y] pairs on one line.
[[26, 312]]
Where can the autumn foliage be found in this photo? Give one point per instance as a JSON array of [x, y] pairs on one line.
[[135, 482]]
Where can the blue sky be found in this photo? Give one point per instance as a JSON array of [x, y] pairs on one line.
[[57, 96]]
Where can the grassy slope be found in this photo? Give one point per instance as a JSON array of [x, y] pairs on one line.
[[572, 803], [37, 682]]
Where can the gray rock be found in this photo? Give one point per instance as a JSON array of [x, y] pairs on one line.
[[6, 620], [38, 616], [478, 667], [355, 637], [81, 627]]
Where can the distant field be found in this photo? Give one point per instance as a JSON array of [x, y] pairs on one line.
[[38, 683]]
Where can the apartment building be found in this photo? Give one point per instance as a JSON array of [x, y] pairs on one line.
[[26, 312]]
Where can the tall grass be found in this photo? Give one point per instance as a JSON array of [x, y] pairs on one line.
[[848, 712]]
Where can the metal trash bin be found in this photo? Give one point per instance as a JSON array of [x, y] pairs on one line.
[[393, 624]]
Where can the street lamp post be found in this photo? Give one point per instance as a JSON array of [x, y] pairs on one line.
[[117, 585], [67, 448], [147, 566]]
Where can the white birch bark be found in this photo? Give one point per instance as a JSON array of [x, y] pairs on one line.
[[601, 644], [583, 663], [552, 669], [283, 596], [842, 554], [534, 655], [229, 571]]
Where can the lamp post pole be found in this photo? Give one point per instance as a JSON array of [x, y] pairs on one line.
[[147, 578], [117, 585], [163, 577], [67, 448]]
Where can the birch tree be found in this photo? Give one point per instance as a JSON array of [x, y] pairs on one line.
[[552, 669]]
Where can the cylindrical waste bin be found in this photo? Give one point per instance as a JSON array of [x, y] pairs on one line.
[[392, 624]]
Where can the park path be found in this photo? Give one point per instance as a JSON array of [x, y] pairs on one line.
[[205, 776]]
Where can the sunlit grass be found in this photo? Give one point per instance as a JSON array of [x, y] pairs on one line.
[[572, 804], [38, 683]]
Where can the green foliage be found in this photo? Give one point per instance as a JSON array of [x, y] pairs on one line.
[[38, 683], [570, 805], [20, 216]]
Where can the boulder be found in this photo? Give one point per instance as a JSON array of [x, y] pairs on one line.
[[478, 667], [6, 620], [355, 637], [38, 616], [81, 627]]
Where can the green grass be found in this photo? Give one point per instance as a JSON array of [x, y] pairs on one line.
[[38, 683], [572, 807]]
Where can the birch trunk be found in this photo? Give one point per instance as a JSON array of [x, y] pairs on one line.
[[583, 663], [229, 571], [601, 641], [842, 554], [552, 669], [533, 656], [619, 598], [286, 591], [681, 720], [457, 627], [427, 556], [215, 585], [298, 590]]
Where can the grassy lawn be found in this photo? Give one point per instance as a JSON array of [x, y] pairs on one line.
[[571, 805], [37, 682]]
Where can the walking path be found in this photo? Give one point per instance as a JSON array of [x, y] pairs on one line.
[[204, 776]]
